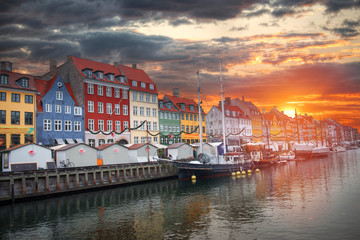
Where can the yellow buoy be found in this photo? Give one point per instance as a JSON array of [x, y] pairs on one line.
[[193, 177], [243, 173], [249, 171], [233, 174], [257, 170], [238, 173]]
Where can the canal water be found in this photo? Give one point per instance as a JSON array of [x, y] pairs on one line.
[[309, 199]]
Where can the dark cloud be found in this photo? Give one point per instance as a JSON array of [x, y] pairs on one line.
[[182, 21], [334, 6], [348, 29]]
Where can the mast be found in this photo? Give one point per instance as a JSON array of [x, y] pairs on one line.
[[297, 126], [223, 111], [199, 107]]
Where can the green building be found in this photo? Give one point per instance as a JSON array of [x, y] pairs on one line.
[[169, 121]]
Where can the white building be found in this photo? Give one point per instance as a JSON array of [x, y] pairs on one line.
[[112, 153], [76, 155], [180, 151], [26, 157], [142, 152]]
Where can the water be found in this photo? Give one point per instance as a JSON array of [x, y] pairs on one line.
[[312, 199]]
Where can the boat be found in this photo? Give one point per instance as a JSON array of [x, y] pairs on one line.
[[207, 165], [287, 155], [338, 149], [320, 151], [303, 149]]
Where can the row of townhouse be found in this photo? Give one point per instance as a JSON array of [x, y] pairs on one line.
[[92, 102], [272, 126]]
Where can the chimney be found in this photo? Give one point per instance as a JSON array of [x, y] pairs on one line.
[[134, 66], [227, 100], [6, 66], [243, 99], [68, 58], [176, 92], [52, 67]]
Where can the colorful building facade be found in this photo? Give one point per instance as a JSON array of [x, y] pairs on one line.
[[170, 123], [17, 107], [59, 118]]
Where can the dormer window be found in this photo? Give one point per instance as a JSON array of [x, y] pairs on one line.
[[192, 108], [182, 106], [234, 114], [161, 104], [134, 83], [121, 79], [227, 112], [151, 86], [4, 79], [87, 73], [23, 82], [143, 85], [99, 74], [110, 76], [168, 105]]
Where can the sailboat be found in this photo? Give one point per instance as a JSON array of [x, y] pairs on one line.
[[207, 165]]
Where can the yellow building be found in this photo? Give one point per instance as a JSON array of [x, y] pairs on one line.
[[17, 107], [189, 118]]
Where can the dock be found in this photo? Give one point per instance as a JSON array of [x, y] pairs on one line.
[[20, 186]]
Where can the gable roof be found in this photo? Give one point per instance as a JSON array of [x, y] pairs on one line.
[[187, 101], [104, 146], [68, 146], [138, 75], [13, 77], [82, 64], [139, 145], [177, 145], [22, 145]]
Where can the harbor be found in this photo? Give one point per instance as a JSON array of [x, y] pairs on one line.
[[314, 198]]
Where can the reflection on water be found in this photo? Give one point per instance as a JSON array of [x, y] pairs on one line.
[[312, 199]]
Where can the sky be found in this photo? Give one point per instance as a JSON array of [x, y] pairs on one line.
[[292, 54]]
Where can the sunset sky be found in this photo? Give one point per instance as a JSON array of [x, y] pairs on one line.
[[293, 54]]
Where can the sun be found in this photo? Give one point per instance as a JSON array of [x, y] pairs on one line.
[[289, 112]]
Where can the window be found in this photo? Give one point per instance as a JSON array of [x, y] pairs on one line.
[[142, 125], [182, 116], [110, 76], [151, 86], [100, 90], [148, 112], [155, 139], [126, 124], [187, 116], [88, 73], [110, 141], [15, 117], [154, 112], [101, 141], [90, 106], [141, 97], [28, 118], [191, 117], [135, 110], [154, 98], [141, 111], [125, 110], [58, 125], [148, 125], [117, 92], [109, 125], [67, 126], [161, 127], [125, 94], [2, 96], [4, 79], [100, 107], [108, 108], [47, 125], [117, 126], [143, 85], [3, 147], [58, 108], [165, 115], [143, 139], [187, 128], [23, 82], [101, 125], [67, 109], [134, 96], [59, 95], [100, 75], [92, 142], [154, 126], [15, 97], [15, 139], [2, 117], [108, 91], [28, 99], [136, 123], [161, 115], [134, 83], [147, 97], [117, 109], [77, 111], [136, 140], [90, 88], [91, 124], [77, 126]]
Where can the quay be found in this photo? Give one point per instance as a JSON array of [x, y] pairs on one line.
[[19, 186]]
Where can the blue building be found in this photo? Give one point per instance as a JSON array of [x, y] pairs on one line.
[[59, 119]]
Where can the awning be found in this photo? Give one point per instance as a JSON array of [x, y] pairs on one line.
[[59, 141], [79, 140], [69, 140]]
